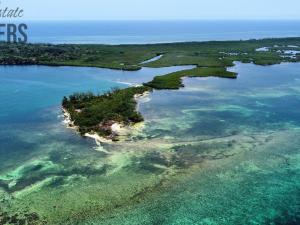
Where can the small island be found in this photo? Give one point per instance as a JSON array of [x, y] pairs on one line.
[[100, 114], [96, 116]]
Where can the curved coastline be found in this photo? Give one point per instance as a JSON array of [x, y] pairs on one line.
[[117, 156], [114, 129], [211, 58]]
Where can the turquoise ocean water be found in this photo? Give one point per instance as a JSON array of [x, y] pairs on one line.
[[218, 151]]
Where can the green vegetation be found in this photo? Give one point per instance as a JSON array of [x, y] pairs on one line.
[[129, 57], [173, 80], [97, 113]]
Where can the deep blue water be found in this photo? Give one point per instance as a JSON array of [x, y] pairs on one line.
[[26, 89], [138, 32]]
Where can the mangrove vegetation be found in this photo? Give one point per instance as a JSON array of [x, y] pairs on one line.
[[96, 113]]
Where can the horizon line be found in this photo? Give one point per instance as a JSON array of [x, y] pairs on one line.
[[154, 20]]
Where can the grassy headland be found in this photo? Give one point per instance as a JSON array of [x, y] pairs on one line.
[[173, 80], [96, 113]]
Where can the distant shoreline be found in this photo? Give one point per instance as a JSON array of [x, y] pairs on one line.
[[130, 57]]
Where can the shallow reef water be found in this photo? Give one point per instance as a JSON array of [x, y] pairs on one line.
[[218, 151]]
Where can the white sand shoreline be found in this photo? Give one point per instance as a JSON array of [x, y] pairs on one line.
[[118, 129]]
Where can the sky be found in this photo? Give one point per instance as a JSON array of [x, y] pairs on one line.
[[156, 9]]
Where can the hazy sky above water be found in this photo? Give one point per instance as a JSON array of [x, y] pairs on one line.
[[156, 9]]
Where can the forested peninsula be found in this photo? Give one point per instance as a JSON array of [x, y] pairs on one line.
[[97, 113]]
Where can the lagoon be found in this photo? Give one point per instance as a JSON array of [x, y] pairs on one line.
[[219, 151]]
